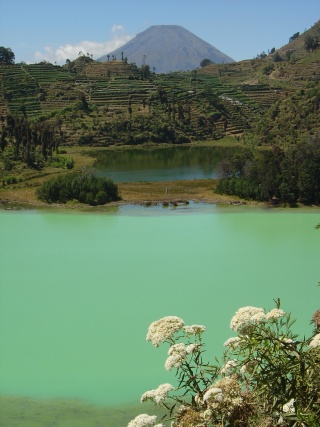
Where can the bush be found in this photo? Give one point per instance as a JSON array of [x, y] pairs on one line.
[[268, 376], [87, 189]]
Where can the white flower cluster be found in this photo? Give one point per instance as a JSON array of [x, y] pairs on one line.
[[225, 393], [178, 354], [275, 313], [157, 395], [164, 329], [228, 366], [232, 343], [315, 342], [213, 394], [247, 316], [194, 329], [143, 420]]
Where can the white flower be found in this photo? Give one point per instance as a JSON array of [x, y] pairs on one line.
[[164, 329], [232, 342], [246, 316], [177, 355], [157, 395], [194, 329], [275, 314], [228, 366], [143, 420], [315, 342], [213, 394], [191, 348], [179, 348], [174, 361], [289, 407]]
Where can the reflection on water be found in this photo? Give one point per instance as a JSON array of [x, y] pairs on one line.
[[160, 164], [78, 291]]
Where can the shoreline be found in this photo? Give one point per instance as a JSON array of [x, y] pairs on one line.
[[145, 193]]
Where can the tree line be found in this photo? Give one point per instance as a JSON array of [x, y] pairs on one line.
[[281, 175], [30, 142]]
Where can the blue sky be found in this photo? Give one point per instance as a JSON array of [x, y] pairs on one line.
[[55, 30]]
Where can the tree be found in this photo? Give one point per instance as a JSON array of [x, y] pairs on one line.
[[262, 55], [145, 71], [6, 56], [295, 36], [205, 62], [311, 43], [277, 57]]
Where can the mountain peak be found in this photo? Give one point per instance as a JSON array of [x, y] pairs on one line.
[[168, 48]]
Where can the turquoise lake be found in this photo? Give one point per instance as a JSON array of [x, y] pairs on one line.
[[79, 290]]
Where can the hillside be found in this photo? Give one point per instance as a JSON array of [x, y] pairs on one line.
[[295, 49], [87, 103], [167, 48]]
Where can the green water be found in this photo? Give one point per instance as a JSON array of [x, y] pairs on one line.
[[78, 291]]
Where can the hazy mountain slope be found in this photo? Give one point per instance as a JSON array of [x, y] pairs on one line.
[[168, 48]]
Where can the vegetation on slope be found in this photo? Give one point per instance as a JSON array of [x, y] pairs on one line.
[[273, 100]]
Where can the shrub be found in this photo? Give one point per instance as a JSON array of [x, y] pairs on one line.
[[268, 375], [87, 189]]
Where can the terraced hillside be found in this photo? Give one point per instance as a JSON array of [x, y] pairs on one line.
[[198, 105], [116, 102]]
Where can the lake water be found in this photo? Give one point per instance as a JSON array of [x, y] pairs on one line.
[[160, 164], [78, 290]]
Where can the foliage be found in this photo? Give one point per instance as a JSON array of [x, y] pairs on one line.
[[30, 142], [205, 62], [294, 36], [276, 57], [262, 55], [6, 55], [290, 121], [87, 189], [289, 176], [269, 376], [62, 162], [311, 43]]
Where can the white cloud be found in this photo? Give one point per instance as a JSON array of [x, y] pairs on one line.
[[116, 28], [96, 49]]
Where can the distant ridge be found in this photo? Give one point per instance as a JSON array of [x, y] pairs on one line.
[[168, 48]]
